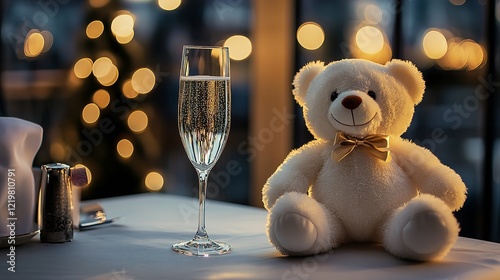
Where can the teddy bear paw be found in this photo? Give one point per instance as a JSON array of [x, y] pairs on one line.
[[426, 233], [295, 232]]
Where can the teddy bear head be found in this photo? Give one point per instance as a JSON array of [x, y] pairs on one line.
[[358, 97]]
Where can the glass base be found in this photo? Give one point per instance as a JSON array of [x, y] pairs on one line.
[[203, 248]]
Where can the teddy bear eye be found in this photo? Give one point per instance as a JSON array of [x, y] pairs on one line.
[[372, 94], [334, 95]]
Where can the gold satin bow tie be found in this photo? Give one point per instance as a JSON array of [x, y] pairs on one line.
[[376, 144]]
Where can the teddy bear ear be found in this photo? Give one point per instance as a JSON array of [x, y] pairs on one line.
[[411, 78], [303, 79]]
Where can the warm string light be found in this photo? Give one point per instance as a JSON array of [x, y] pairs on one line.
[[137, 121], [37, 42], [169, 5], [122, 26], [143, 80], [90, 113], [102, 98], [369, 42], [105, 71], [98, 3], [240, 47], [94, 29], [125, 148], [434, 44], [310, 36], [463, 55], [83, 67], [369, 39], [154, 181], [128, 91], [34, 44], [452, 53]]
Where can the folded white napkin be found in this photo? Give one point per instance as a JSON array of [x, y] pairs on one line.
[[19, 143]]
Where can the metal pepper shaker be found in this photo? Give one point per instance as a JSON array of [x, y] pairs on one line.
[[56, 204]]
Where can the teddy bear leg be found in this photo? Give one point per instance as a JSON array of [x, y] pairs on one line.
[[424, 229], [298, 225]]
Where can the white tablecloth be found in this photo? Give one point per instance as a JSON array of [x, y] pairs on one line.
[[138, 247]]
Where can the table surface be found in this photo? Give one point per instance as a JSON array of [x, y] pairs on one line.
[[137, 246]]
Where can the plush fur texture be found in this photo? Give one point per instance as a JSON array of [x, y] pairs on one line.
[[316, 204]]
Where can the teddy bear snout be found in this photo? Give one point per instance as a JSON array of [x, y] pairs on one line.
[[351, 102]]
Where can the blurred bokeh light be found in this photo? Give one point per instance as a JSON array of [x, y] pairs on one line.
[[105, 71], [369, 39], [143, 80], [310, 35], [137, 121], [83, 67], [128, 91], [154, 181], [463, 55], [34, 43], [94, 29], [240, 47], [434, 44], [122, 27], [373, 14], [125, 148], [169, 5], [101, 98], [90, 113], [98, 3]]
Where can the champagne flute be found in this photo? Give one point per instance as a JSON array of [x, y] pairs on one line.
[[204, 118]]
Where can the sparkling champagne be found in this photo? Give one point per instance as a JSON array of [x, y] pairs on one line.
[[204, 115], [204, 118]]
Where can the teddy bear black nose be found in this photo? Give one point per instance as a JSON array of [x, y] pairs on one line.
[[351, 102]]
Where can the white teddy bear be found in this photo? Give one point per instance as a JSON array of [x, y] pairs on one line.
[[359, 181]]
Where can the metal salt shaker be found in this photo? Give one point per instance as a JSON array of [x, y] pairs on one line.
[[57, 204]]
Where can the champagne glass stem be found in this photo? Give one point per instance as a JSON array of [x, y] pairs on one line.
[[202, 193]]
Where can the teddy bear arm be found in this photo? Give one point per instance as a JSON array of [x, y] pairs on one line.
[[295, 174], [430, 176]]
